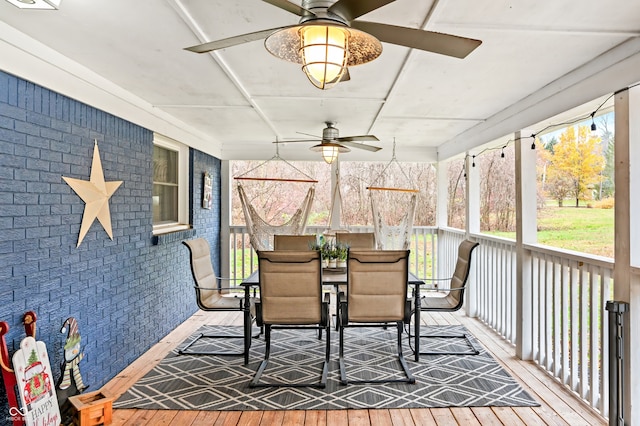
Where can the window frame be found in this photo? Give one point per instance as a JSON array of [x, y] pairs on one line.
[[182, 151]]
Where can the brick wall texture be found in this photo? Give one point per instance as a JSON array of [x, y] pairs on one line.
[[125, 293]]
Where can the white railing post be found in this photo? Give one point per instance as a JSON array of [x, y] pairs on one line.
[[525, 172]]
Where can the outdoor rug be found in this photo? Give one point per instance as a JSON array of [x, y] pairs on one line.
[[188, 382]]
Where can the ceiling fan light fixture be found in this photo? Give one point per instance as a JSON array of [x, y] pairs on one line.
[[36, 4], [329, 151], [329, 154], [324, 49]]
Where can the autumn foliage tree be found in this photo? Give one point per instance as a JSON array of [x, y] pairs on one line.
[[575, 166]]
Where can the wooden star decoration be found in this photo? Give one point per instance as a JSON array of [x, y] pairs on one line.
[[95, 193]]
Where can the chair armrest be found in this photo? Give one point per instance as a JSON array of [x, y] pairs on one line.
[[343, 313], [215, 288], [440, 290], [434, 279], [258, 307], [324, 314]]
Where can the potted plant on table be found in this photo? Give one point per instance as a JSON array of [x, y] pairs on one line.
[[342, 250], [330, 253]]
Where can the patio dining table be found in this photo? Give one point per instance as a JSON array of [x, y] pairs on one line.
[[334, 278]]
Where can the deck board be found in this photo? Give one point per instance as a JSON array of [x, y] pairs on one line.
[[559, 407]]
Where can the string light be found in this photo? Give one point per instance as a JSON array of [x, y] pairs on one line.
[[567, 123]]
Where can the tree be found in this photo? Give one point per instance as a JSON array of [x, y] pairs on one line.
[[576, 163], [456, 192], [497, 190]]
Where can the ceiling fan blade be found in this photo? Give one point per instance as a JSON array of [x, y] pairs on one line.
[[309, 134], [444, 44], [290, 7], [351, 9], [298, 140], [358, 138], [361, 146], [232, 41]]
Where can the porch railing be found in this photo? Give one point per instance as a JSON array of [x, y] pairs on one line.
[[422, 261], [569, 324], [568, 291]]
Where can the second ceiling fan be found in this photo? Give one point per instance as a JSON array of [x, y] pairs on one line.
[[328, 38], [331, 144]]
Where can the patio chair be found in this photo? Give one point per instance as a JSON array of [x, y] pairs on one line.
[[291, 298], [453, 297], [294, 242], [210, 295], [376, 296], [357, 240]]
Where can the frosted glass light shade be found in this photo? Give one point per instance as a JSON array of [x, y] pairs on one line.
[[324, 51], [324, 64]]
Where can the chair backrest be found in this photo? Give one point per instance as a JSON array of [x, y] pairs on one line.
[[207, 288], [463, 266], [377, 285], [290, 287], [357, 240], [294, 242]]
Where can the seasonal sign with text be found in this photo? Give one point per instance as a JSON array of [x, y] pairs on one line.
[[35, 384]]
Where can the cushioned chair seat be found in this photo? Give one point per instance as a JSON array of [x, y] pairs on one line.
[[454, 299], [210, 295], [377, 285], [291, 298]]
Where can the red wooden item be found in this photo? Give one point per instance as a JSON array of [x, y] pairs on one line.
[[8, 376]]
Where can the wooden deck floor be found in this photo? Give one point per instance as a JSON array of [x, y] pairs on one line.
[[558, 405]]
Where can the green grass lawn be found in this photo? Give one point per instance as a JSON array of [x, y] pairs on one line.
[[582, 229]]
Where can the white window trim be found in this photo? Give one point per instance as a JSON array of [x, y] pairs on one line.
[[183, 185]]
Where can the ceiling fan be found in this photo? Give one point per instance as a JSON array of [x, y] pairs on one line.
[[329, 38], [331, 144]]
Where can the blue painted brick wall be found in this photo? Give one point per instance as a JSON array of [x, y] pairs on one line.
[[126, 294]]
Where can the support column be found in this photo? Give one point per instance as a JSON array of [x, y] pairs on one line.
[[336, 197], [626, 270], [472, 226], [472, 188], [526, 233], [442, 188], [225, 218], [442, 211]]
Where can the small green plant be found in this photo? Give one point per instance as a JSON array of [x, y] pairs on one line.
[[341, 251], [328, 251]]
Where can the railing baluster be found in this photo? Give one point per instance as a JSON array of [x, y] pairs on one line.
[[583, 347], [573, 325]]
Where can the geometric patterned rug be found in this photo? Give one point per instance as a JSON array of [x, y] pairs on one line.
[[188, 382]]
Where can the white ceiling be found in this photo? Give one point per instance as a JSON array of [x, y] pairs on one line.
[[538, 59]]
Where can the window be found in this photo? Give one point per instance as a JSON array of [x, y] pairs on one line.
[[170, 185]]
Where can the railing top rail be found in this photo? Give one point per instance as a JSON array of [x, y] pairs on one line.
[[591, 259], [494, 238]]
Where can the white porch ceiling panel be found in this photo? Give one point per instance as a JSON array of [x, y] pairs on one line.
[[537, 59]]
